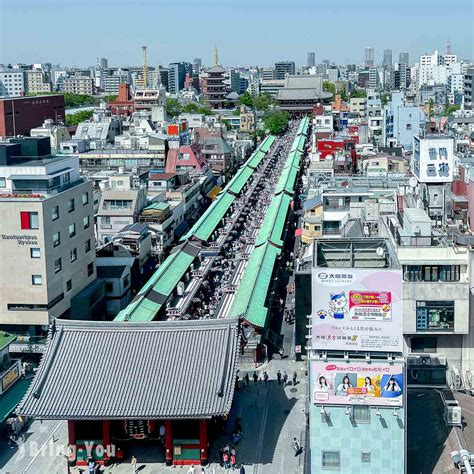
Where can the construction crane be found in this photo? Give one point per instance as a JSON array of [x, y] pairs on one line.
[[145, 68]]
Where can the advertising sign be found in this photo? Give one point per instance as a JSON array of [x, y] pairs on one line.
[[433, 160], [357, 383], [10, 377], [357, 309]]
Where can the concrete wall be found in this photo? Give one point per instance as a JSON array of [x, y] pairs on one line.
[[18, 266]]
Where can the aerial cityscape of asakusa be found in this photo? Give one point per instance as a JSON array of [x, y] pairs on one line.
[[236, 237]]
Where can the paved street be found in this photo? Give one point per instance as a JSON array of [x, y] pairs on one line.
[[271, 417]]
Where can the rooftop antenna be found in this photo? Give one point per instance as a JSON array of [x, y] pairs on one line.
[[216, 56], [145, 69]]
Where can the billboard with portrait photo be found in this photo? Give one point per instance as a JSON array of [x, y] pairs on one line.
[[357, 383]]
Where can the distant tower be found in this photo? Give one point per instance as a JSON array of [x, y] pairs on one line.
[[145, 68], [369, 57], [448, 47], [216, 56], [311, 59]]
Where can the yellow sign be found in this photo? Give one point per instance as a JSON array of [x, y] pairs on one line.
[[10, 377]]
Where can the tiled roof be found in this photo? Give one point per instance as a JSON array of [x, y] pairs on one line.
[[159, 370]]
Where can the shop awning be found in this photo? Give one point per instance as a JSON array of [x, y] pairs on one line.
[[214, 192], [12, 397]]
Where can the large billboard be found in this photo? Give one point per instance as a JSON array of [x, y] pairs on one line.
[[341, 383], [433, 159], [357, 309]]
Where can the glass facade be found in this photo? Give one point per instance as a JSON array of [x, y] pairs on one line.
[[431, 273]]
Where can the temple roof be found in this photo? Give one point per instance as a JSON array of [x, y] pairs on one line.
[[121, 370]]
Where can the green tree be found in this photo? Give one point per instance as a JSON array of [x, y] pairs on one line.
[[430, 109], [449, 109], [173, 107], [110, 98], [342, 92], [358, 94], [196, 108], [329, 87], [246, 99], [78, 117], [384, 98], [276, 121], [264, 101]]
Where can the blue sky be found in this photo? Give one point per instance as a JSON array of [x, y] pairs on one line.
[[248, 32]]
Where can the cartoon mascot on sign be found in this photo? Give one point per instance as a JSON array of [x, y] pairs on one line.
[[338, 305]]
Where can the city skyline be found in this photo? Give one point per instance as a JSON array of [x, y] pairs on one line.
[[168, 41]]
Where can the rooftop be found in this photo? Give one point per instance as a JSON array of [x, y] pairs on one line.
[[185, 370]]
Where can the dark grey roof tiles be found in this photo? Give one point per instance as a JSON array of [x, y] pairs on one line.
[[157, 370]]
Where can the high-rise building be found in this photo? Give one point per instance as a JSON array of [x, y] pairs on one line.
[[12, 83], [311, 59], [197, 64], [387, 58], [103, 63], [404, 58], [48, 235], [282, 68], [369, 57], [268, 74], [176, 75]]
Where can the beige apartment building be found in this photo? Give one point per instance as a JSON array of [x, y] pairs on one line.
[[47, 236]]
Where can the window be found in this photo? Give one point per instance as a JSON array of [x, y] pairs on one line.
[[361, 413], [109, 286], [29, 220], [69, 285], [365, 456], [3, 183], [86, 222], [435, 315], [35, 252], [423, 345], [71, 206], [87, 245], [56, 239], [85, 198], [55, 213], [431, 273], [408, 126], [331, 460], [36, 280], [90, 269], [58, 266], [73, 255], [72, 230]]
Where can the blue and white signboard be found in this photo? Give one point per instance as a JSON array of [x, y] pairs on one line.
[[433, 159]]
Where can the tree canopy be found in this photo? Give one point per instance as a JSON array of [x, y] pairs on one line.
[[358, 93], [78, 117], [174, 108], [262, 102], [329, 87], [276, 121]]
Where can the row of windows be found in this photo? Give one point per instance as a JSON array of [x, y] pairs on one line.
[[331, 460], [30, 220], [35, 252], [431, 273], [38, 279], [71, 230]]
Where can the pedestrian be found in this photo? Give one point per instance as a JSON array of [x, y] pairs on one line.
[[237, 386], [191, 470], [233, 462], [226, 460], [295, 375], [265, 377], [295, 446], [162, 433], [247, 379], [279, 377], [91, 465], [255, 376], [134, 464], [285, 378]]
